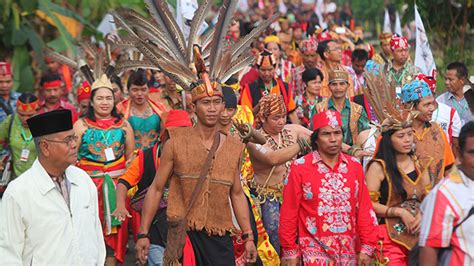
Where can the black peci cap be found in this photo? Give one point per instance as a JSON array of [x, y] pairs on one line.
[[50, 123]]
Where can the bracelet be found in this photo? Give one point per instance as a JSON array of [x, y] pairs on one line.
[[246, 137]]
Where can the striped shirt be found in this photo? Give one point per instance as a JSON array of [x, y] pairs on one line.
[[446, 205]]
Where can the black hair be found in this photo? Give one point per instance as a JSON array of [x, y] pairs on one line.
[[386, 152], [230, 100], [359, 42], [460, 68], [27, 97], [313, 138], [231, 81], [116, 80], [90, 110], [311, 74], [279, 46], [323, 47], [360, 55], [48, 77], [467, 131], [137, 78]]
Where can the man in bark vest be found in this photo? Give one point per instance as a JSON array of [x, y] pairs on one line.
[[209, 221], [432, 146]]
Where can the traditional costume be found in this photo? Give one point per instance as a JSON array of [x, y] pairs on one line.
[[396, 240], [102, 155], [309, 46], [381, 58], [326, 217], [354, 117], [283, 67], [209, 222], [139, 176], [446, 117], [146, 126], [431, 143], [267, 197], [7, 106], [50, 220], [404, 75], [252, 93], [20, 141]]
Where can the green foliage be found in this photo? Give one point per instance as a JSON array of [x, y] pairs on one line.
[[23, 34], [443, 21]]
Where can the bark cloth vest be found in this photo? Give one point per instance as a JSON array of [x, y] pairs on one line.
[[356, 112], [416, 191], [211, 210], [430, 148]]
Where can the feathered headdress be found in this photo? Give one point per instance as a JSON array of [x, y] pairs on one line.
[[103, 67], [388, 108], [163, 45]]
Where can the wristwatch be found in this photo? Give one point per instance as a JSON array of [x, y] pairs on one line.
[[142, 236]]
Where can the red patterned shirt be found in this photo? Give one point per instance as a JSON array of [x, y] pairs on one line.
[[326, 216]]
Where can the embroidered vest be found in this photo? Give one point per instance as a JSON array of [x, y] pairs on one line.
[[416, 191], [430, 149], [211, 210]]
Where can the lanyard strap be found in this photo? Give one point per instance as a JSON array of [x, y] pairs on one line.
[[26, 139], [457, 107], [399, 79], [266, 90]]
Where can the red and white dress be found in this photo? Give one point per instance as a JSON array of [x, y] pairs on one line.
[[327, 216]]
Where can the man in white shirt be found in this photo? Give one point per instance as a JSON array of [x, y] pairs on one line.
[[49, 214], [455, 82]]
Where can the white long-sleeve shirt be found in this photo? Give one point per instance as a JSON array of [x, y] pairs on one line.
[[37, 227]]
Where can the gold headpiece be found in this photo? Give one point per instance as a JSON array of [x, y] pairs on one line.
[[102, 82]]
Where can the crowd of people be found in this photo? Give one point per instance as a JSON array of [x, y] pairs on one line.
[[266, 139]]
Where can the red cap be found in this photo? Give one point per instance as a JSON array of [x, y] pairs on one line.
[[48, 59], [5, 69], [84, 92], [327, 118], [296, 25], [398, 42], [431, 81], [178, 118]]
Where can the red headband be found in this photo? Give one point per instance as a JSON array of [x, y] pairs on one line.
[[5, 69], [52, 84], [398, 42], [327, 118], [27, 107]]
